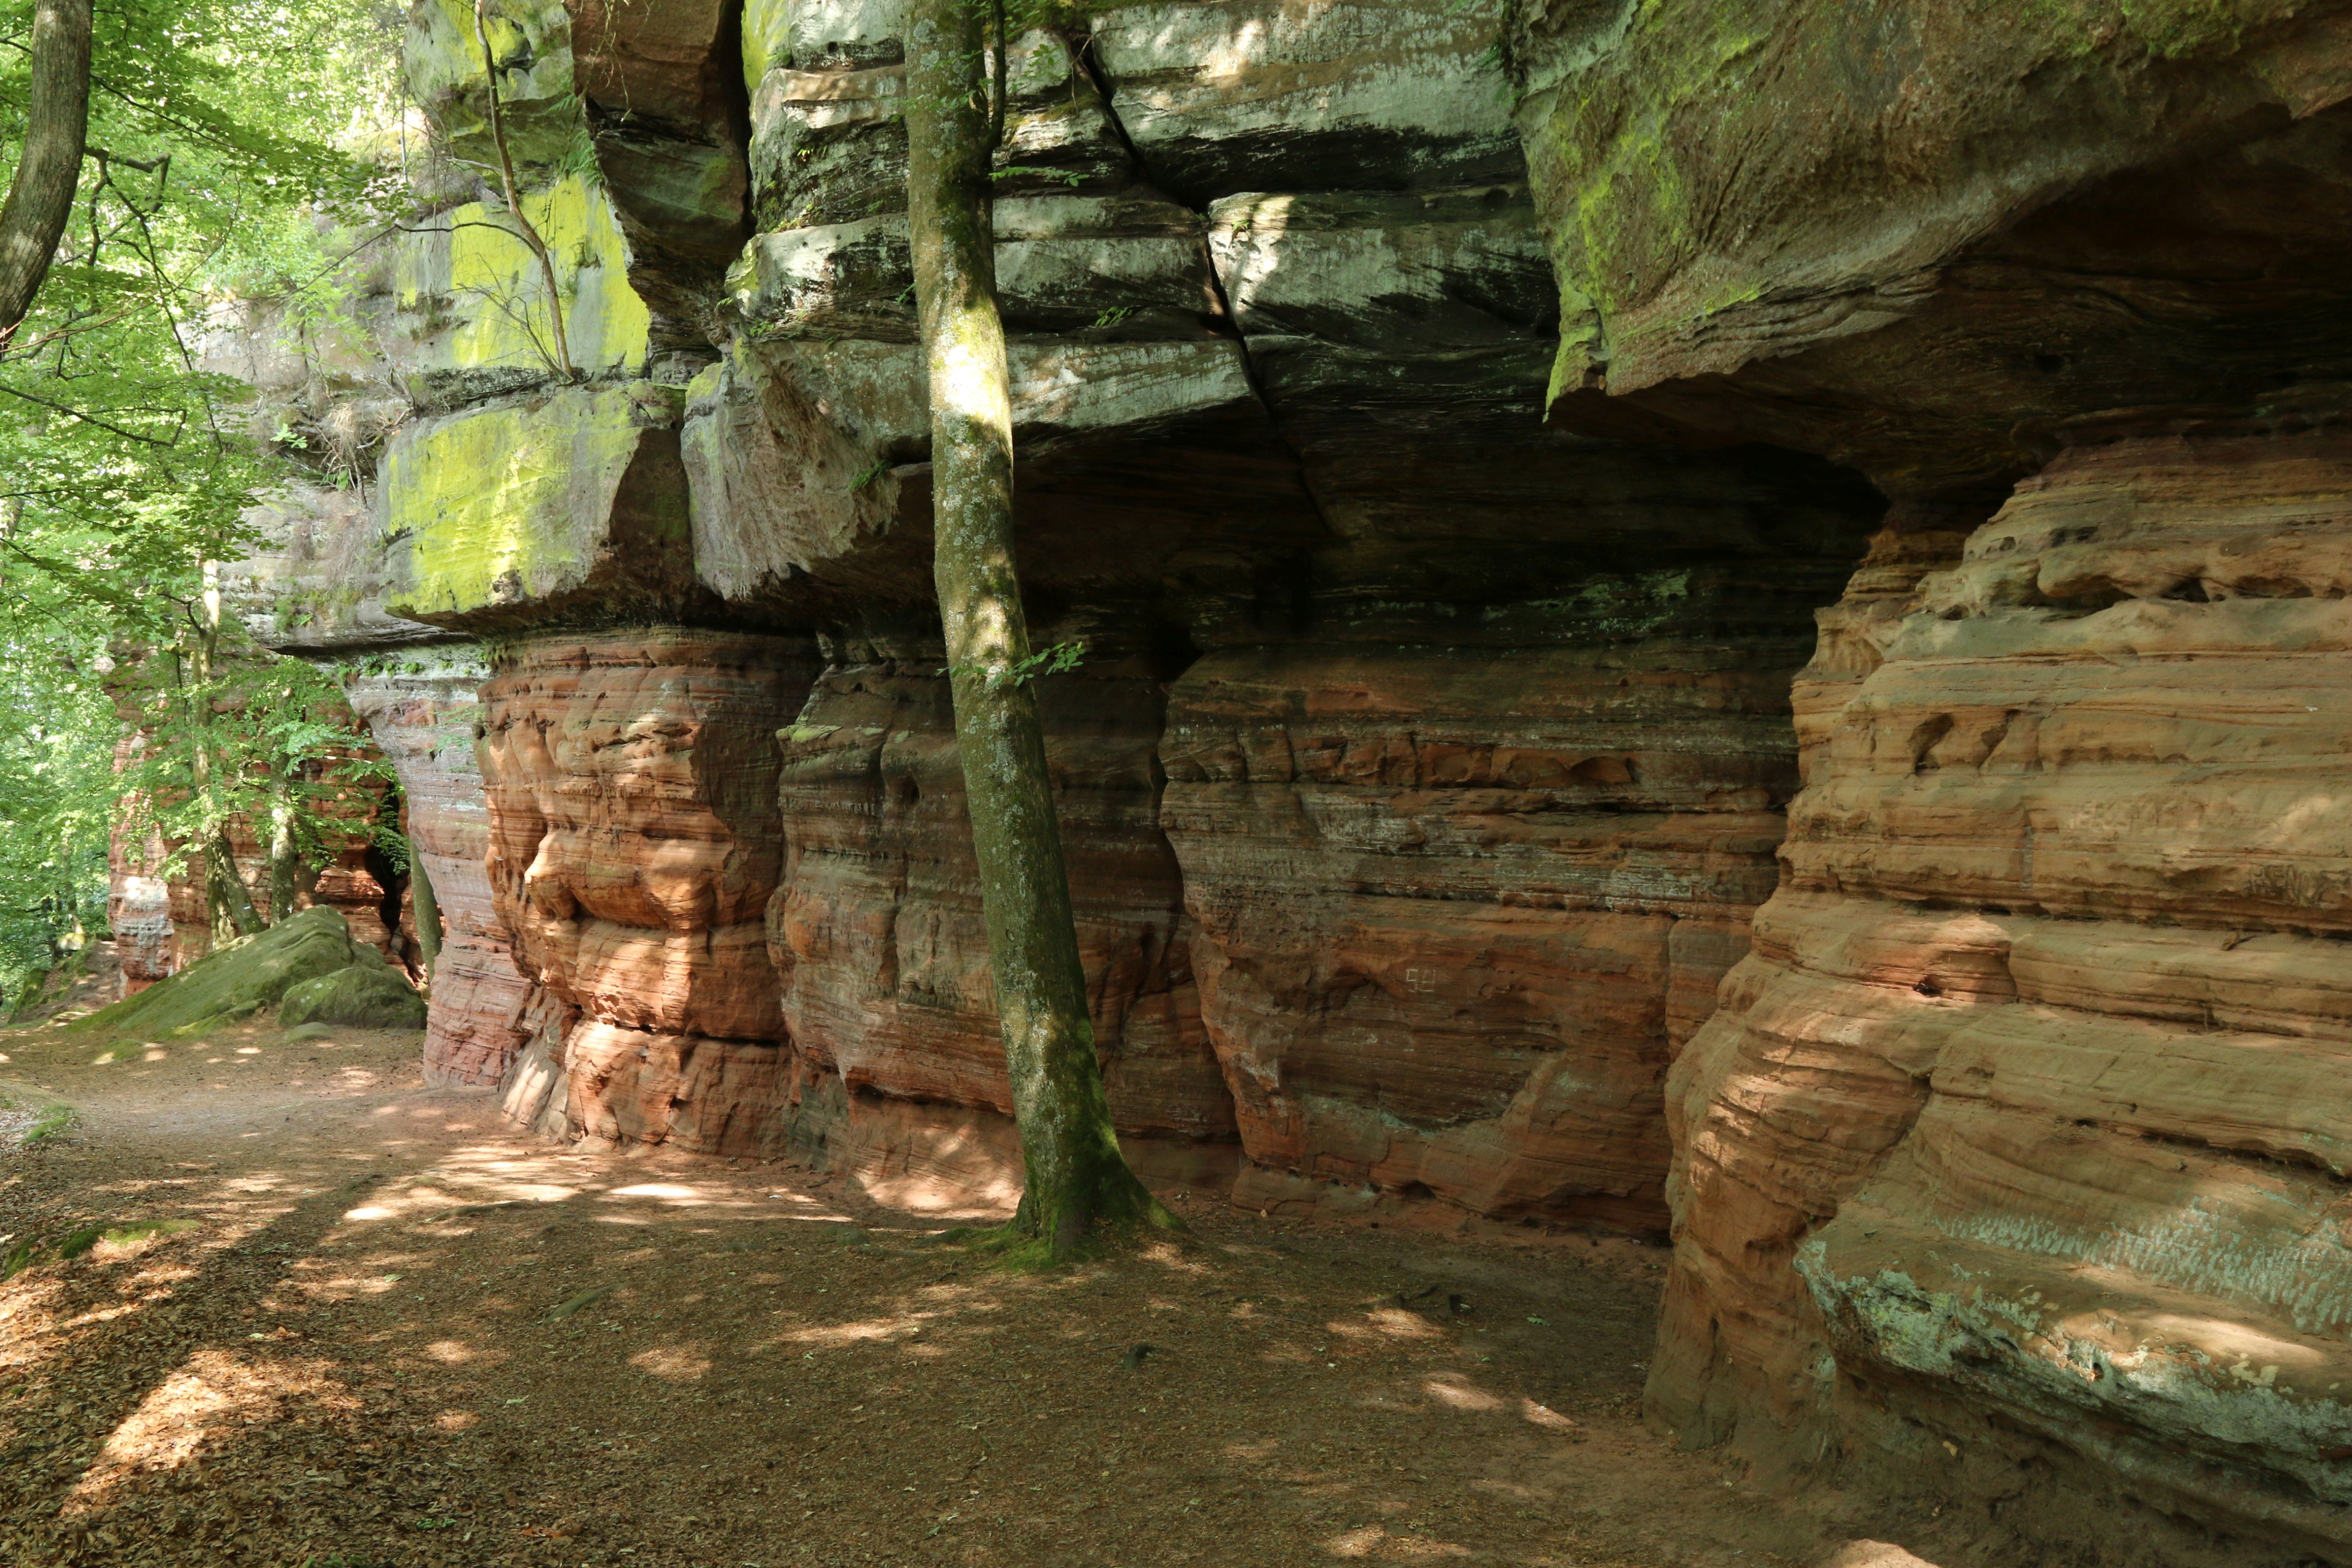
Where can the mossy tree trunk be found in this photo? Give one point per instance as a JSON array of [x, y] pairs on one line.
[[1078, 1188], [426, 906]]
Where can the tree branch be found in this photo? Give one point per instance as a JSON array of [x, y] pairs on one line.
[[514, 202]]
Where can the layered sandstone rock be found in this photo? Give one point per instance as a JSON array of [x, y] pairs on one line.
[[633, 847], [1967, 1163], [876, 928], [1448, 429], [1922, 243], [422, 714], [2021, 1119], [1455, 913]]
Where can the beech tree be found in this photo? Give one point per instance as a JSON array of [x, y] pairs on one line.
[[1079, 1191], [168, 155], [49, 171]]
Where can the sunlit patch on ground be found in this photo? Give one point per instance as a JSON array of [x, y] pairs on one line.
[[673, 1364], [200, 1405], [364, 1355], [1375, 1543]]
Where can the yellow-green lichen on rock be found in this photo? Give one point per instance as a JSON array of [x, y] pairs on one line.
[[531, 41], [767, 41], [1721, 184], [573, 503], [472, 270]]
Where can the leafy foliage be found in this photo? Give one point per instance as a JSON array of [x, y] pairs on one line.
[[57, 730], [223, 137], [279, 737]]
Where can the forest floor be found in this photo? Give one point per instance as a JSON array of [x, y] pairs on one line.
[[382, 1327]]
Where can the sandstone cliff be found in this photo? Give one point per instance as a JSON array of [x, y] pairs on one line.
[[1544, 492]]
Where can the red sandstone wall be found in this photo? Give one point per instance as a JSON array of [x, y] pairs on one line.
[[2019, 1140], [1457, 907], [424, 721], [630, 778], [876, 931]]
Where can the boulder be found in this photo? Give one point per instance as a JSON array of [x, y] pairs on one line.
[[366, 995], [236, 980]]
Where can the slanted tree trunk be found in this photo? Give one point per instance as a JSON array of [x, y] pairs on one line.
[[427, 908], [57, 125], [524, 229], [1078, 1186]]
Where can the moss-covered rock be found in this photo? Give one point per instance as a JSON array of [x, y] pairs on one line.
[[539, 98], [367, 994], [1723, 183], [481, 297], [235, 982], [569, 504]]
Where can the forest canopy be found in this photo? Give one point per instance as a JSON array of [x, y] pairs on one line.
[[233, 148]]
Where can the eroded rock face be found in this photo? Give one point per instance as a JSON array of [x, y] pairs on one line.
[[876, 927], [633, 846], [2019, 1117], [1449, 429], [1456, 916], [1869, 236], [422, 715], [1965, 1162]]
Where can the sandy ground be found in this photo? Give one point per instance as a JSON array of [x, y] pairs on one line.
[[398, 1332]]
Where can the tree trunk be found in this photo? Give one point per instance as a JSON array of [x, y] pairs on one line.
[[1078, 1184], [284, 864], [230, 906], [427, 911], [524, 229], [57, 125]]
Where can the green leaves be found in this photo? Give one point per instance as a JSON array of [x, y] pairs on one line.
[[1059, 659], [57, 731], [221, 132]]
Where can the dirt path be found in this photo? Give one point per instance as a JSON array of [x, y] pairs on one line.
[[399, 1333]]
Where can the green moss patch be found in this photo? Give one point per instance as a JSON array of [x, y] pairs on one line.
[[234, 982], [366, 995]]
